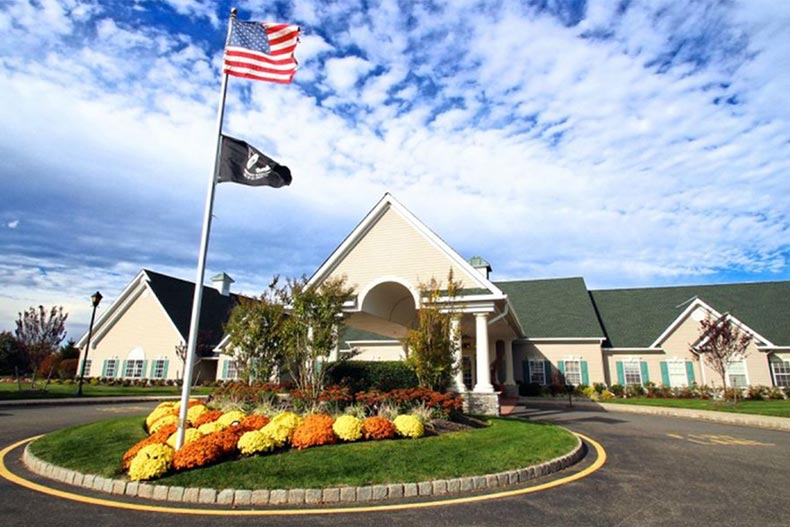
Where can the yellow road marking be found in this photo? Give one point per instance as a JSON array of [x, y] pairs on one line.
[[726, 440], [5, 473]]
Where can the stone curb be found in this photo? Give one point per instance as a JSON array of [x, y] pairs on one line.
[[753, 420], [337, 495]]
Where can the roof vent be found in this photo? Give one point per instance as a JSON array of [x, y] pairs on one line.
[[483, 267], [222, 283]]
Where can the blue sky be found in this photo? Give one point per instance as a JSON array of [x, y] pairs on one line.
[[633, 143]]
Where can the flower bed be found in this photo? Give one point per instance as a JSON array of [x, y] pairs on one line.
[[213, 436]]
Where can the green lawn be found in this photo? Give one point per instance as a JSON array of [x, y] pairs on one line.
[[10, 391], [778, 408], [506, 444]]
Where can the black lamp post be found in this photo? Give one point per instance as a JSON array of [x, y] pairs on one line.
[[95, 299]]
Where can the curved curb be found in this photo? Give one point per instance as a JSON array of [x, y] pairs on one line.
[[328, 496]]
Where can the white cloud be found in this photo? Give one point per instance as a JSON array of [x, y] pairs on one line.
[[342, 74], [12, 224]]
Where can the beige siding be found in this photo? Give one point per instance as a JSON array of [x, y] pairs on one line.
[[393, 247], [384, 351], [557, 351], [144, 325]]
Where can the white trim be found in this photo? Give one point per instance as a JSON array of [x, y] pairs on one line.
[[386, 203], [769, 349], [631, 350], [700, 303], [383, 280], [120, 301], [569, 340]]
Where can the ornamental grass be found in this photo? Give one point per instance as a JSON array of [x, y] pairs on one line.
[[378, 428], [315, 430]]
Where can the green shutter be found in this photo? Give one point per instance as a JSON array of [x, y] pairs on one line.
[[620, 373], [224, 370], [645, 373], [164, 370], [525, 371], [547, 368], [690, 371], [585, 374], [142, 371], [561, 368], [117, 369], [104, 368], [664, 373], [122, 373]]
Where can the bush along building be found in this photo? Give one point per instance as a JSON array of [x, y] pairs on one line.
[[552, 331]]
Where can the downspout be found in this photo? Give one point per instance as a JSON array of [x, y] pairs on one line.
[[501, 315]]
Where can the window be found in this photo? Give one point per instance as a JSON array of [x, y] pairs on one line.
[[158, 369], [537, 372], [677, 373], [632, 371], [573, 372], [111, 369], [466, 368], [736, 374], [232, 371], [781, 370], [86, 368], [134, 369]]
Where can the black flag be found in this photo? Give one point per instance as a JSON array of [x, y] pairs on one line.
[[241, 163]]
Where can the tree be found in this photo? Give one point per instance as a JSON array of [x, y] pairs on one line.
[[433, 345], [40, 332], [722, 343], [69, 350], [12, 354], [311, 330], [203, 347], [255, 330]]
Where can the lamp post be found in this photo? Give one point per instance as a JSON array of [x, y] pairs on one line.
[[95, 299]]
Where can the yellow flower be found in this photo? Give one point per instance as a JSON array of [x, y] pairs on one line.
[[256, 442], [194, 412], [229, 418], [348, 428], [288, 419], [210, 428], [157, 413], [409, 426], [159, 423], [151, 462], [190, 434], [278, 433]]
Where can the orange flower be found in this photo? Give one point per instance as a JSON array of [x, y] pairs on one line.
[[315, 430], [378, 428], [160, 437]]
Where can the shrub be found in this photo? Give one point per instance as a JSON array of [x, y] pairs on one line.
[[408, 426], [757, 393], [617, 389], [361, 376], [442, 405], [532, 389], [634, 390], [599, 387], [348, 428], [775, 393], [315, 430], [378, 428], [606, 395], [151, 462], [247, 396], [332, 399]]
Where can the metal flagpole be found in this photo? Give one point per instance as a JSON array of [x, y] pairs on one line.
[[201, 266]]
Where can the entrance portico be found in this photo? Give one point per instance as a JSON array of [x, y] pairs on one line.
[[386, 259]]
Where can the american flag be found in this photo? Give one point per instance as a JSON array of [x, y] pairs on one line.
[[262, 51]]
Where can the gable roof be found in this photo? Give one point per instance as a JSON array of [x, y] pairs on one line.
[[176, 297], [635, 318], [385, 204], [553, 308]]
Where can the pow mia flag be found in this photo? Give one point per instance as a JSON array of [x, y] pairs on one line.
[[241, 163]]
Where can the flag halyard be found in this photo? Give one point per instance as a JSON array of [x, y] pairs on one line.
[[262, 51]]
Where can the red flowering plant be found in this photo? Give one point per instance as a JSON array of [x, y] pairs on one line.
[[443, 405], [244, 395], [332, 399]]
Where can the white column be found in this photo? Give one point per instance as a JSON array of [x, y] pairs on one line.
[[455, 329], [510, 380], [483, 360]]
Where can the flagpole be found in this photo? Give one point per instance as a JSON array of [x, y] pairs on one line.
[[201, 266]]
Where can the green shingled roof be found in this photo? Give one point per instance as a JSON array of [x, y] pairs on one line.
[[555, 308], [637, 317], [176, 297]]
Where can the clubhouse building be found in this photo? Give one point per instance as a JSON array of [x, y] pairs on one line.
[[525, 331]]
